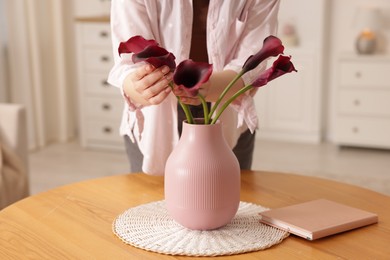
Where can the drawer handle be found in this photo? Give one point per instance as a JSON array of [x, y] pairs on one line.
[[356, 102], [103, 34], [105, 58], [358, 74], [106, 106], [355, 129], [107, 130]]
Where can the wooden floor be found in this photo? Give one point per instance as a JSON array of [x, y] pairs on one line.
[[60, 164]]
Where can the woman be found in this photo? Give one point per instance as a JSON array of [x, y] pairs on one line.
[[222, 33]]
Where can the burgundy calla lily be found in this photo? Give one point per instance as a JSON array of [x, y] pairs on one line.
[[135, 44], [190, 75], [281, 66], [156, 56], [272, 46], [148, 51]]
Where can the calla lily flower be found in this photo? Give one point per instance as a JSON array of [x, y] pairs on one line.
[[148, 51], [156, 56], [281, 66], [135, 44], [272, 46], [190, 75]]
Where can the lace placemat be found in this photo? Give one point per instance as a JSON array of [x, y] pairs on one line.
[[149, 227]]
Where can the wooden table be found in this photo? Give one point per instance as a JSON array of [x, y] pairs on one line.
[[75, 221]]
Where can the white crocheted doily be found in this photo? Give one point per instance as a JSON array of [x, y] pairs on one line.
[[149, 227]]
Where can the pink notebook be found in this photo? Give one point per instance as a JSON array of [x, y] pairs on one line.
[[317, 218]]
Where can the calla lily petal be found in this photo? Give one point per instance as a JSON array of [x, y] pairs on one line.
[[272, 46], [148, 51], [156, 56], [281, 66], [190, 75], [135, 44]]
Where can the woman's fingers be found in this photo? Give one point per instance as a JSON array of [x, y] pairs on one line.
[[157, 99], [152, 84], [157, 92], [141, 72]]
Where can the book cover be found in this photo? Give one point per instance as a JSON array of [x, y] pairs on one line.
[[318, 218]]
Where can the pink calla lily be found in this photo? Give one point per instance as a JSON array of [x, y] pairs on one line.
[[272, 46], [190, 75], [148, 51], [281, 66]]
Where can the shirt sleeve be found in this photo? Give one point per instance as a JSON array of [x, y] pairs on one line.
[[123, 65], [153, 128], [128, 18], [259, 20]]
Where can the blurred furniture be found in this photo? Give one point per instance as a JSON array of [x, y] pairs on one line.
[[100, 104], [290, 108], [91, 8], [76, 220], [368, 21], [362, 116], [13, 154]]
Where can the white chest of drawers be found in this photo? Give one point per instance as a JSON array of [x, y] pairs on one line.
[[100, 105], [363, 101], [91, 8]]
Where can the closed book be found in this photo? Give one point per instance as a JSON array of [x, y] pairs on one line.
[[318, 218]]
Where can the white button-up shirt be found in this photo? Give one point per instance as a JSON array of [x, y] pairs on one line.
[[235, 30]]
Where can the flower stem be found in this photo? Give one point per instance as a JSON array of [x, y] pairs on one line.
[[205, 109], [230, 100], [186, 109], [215, 106]]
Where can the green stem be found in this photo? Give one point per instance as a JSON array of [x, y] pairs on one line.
[[205, 109], [215, 106], [185, 108], [230, 100], [187, 111]]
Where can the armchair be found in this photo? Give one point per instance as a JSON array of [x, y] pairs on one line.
[[14, 183]]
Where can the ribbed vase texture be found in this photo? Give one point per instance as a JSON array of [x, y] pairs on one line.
[[202, 179]]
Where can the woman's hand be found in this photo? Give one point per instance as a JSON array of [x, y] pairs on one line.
[[148, 85], [212, 89]]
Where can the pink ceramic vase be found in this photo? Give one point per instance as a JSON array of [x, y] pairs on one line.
[[202, 179]]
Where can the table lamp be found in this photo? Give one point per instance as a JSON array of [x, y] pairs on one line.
[[368, 21]]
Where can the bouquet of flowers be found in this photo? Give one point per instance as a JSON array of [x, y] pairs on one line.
[[189, 75]]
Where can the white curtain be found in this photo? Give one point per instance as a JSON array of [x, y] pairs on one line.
[[3, 80], [40, 50]]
